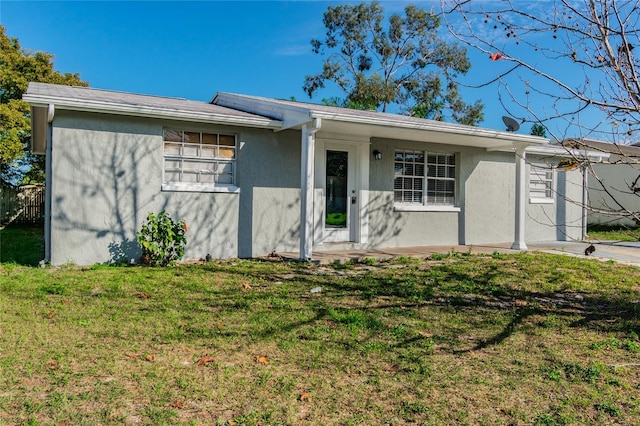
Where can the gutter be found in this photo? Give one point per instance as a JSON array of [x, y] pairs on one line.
[[148, 111]]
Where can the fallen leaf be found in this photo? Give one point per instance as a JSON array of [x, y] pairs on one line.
[[245, 285], [231, 422], [178, 404], [262, 360], [205, 359], [51, 315], [305, 396], [142, 295], [150, 358], [521, 302], [52, 364]]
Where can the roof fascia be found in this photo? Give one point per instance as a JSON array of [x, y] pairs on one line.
[[438, 126], [290, 116], [568, 152], [74, 104]]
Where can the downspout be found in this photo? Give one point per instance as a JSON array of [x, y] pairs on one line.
[[306, 187], [48, 170], [521, 190]]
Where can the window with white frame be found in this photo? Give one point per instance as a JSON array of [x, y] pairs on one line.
[[424, 178], [199, 160], [540, 183]]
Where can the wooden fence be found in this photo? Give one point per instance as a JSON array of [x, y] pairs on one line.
[[22, 205]]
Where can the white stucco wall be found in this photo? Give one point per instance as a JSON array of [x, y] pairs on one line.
[[107, 176]]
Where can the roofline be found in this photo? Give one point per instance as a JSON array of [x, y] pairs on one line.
[[568, 152], [74, 104], [296, 115], [289, 115], [434, 126]]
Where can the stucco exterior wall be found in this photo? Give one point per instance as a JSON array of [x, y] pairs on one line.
[[560, 220], [617, 179], [489, 205], [107, 176], [485, 191]]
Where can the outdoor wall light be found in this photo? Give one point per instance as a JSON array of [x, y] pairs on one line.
[[377, 154]]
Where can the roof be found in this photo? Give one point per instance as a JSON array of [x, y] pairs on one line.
[[343, 121], [112, 102], [275, 114], [603, 147]]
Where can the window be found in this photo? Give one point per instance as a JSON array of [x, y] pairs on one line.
[[424, 179], [199, 161], [409, 177], [540, 184]]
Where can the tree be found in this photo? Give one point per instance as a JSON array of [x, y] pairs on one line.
[[538, 129], [403, 63], [569, 65], [17, 69]]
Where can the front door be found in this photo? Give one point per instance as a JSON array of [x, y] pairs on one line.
[[340, 204]]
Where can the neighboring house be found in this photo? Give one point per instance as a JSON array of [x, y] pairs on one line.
[[253, 176], [611, 182]]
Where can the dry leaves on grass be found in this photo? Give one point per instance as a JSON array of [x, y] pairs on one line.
[[262, 360], [50, 315], [305, 396], [179, 404], [142, 295], [204, 360], [52, 364], [150, 357], [245, 285]]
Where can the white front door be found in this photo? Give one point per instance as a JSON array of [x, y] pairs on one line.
[[340, 194]]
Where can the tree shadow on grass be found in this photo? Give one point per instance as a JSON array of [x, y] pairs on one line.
[[22, 244], [491, 295]]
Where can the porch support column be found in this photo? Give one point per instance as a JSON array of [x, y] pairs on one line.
[[521, 191], [307, 159]]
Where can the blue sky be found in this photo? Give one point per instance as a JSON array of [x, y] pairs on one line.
[[195, 49]]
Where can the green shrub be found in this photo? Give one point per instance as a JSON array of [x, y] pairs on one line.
[[162, 240]]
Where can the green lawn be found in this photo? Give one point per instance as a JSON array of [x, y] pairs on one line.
[[616, 233], [22, 244], [505, 339]]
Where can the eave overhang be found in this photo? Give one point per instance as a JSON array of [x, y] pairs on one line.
[[89, 105]]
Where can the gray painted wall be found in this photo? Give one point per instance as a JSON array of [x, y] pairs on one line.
[[561, 220], [617, 179], [107, 175], [485, 195]]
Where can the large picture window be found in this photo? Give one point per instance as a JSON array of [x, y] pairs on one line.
[[424, 178], [198, 160]]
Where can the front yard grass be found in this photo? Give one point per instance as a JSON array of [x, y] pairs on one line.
[[461, 339], [616, 233], [22, 244]]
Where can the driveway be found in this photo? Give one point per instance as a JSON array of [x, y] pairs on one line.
[[627, 252]]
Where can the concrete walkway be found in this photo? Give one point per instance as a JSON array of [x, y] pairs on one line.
[[627, 252], [622, 252]]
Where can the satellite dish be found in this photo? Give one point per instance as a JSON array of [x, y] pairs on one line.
[[512, 125]]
